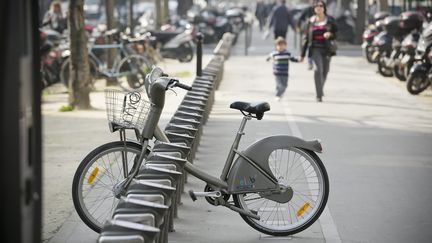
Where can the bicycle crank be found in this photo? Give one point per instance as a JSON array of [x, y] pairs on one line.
[[213, 194]]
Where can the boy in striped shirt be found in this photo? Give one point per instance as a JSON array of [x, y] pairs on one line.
[[281, 58]]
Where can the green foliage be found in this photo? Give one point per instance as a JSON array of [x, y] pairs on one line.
[[182, 74], [66, 108]]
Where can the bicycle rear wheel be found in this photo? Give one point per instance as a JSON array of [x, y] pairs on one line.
[[95, 178], [64, 71], [132, 71], [303, 172]]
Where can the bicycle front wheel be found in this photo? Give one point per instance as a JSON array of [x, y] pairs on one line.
[[132, 71], [97, 175], [303, 172]]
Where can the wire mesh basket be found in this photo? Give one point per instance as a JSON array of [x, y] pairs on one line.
[[127, 110]]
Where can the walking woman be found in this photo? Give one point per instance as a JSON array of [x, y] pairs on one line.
[[321, 31]]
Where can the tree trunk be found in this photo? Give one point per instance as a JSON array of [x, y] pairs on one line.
[[360, 21], [383, 5], [183, 6], [158, 10], [111, 53], [165, 12], [80, 80], [346, 4], [131, 21]]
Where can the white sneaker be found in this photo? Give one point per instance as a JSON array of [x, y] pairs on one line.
[[277, 98]]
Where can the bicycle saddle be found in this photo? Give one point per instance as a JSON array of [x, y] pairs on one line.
[[257, 108]]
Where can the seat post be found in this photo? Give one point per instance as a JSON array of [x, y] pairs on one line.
[[234, 147]]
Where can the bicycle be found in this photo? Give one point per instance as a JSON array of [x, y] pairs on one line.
[[127, 64], [278, 184]]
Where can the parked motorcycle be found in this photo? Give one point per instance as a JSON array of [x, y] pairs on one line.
[[210, 23], [420, 77], [50, 61], [382, 45], [390, 57], [411, 21], [408, 48], [236, 20], [174, 44], [370, 33]]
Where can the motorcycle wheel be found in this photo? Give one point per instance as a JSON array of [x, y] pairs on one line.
[[417, 83], [399, 72], [383, 69], [189, 53], [369, 53]]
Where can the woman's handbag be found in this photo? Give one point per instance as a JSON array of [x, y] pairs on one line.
[[331, 47]]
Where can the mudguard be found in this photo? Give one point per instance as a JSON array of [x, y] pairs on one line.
[[244, 177], [418, 69]]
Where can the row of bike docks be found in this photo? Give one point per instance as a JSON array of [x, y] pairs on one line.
[[147, 210]]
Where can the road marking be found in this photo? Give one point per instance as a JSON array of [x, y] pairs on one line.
[[328, 226]]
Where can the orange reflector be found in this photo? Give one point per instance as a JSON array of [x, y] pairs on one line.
[[93, 175], [303, 209]]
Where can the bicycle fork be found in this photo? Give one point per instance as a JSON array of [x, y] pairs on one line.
[[120, 188]]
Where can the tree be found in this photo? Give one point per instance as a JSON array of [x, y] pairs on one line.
[[384, 5], [158, 10], [79, 78], [111, 53], [183, 6]]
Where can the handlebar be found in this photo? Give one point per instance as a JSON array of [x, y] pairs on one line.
[[183, 86], [176, 83]]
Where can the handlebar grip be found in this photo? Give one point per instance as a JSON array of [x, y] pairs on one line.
[[184, 86]]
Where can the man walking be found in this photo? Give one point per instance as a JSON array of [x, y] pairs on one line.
[[280, 20]]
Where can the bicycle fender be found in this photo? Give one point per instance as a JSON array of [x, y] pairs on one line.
[[246, 177]]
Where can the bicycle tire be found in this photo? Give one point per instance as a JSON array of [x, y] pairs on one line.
[[138, 66], [312, 212], [64, 71], [96, 177]]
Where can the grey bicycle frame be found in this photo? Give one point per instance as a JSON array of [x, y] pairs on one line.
[[250, 172]]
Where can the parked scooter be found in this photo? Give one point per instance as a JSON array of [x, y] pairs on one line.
[[210, 23], [175, 44], [390, 57], [236, 20], [408, 50], [50, 61], [370, 33], [411, 22], [382, 45], [420, 77]]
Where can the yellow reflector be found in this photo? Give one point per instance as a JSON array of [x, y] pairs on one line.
[[93, 175], [303, 209]]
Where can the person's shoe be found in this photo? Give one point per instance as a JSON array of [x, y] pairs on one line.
[[310, 66], [277, 98], [319, 99]]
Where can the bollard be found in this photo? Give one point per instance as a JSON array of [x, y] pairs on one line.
[[199, 37]]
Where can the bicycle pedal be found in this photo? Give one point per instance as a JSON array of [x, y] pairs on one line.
[[195, 195]]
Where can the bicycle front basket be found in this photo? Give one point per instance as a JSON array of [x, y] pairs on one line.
[[127, 110]]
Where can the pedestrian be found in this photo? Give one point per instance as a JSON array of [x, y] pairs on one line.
[[280, 19], [54, 19], [281, 57], [319, 44], [261, 13]]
